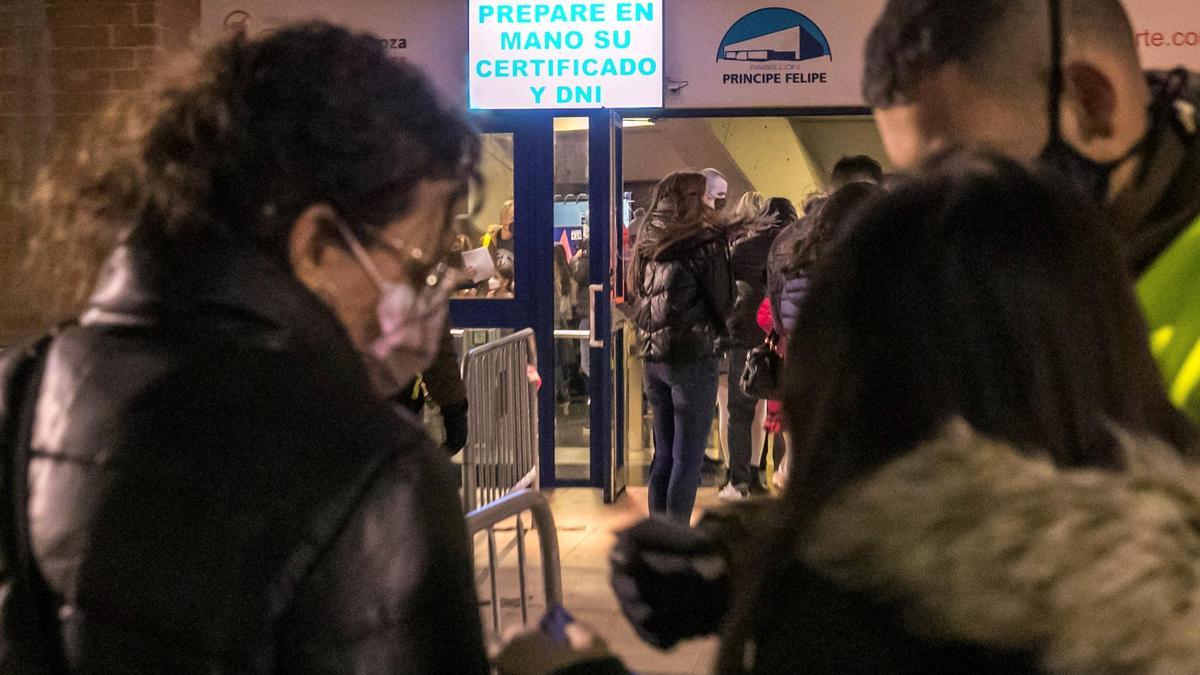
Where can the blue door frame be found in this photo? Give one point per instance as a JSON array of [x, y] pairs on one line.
[[533, 306], [607, 390], [533, 192]]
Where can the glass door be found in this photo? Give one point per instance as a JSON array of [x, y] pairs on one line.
[[573, 258], [588, 227], [551, 217], [608, 332], [507, 224]]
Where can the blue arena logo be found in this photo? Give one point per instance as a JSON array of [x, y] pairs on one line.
[[774, 34]]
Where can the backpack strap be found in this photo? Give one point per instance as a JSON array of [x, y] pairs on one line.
[[29, 626]]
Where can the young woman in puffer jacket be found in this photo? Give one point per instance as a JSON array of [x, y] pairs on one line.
[[683, 292]]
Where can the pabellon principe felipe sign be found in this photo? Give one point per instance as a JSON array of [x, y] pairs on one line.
[[777, 46]]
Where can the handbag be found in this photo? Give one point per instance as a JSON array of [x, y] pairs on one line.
[[761, 376]]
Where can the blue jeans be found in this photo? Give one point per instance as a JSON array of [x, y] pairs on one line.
[[682, 398]]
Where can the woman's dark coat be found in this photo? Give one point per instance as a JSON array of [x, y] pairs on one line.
[[216, 488]]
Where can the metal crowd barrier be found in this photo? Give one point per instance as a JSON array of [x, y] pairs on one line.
[[487, 518], [502, 438]]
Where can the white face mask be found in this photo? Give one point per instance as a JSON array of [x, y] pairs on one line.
[[411, 321], [494, 284]]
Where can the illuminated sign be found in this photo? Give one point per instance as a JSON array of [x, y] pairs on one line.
[[558, 54]]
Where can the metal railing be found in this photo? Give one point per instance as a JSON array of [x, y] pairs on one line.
[[487, 518], [502, 439]]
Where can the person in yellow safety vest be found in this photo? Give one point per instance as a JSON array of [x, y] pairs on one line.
[[1060, 83]]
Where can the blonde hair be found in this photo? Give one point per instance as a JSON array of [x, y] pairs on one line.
[[752, 206]]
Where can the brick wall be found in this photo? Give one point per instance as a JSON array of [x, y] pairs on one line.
[[60, 62]]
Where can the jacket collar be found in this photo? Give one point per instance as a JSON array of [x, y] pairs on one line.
[[223, 289], [1091, 571]]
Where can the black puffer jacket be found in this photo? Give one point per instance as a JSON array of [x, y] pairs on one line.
[[748, 261], [215, 487], [684, 296]]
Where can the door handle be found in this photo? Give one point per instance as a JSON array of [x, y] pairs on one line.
[[593, 340]]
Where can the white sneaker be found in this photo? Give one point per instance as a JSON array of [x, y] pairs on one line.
[[730, 493]]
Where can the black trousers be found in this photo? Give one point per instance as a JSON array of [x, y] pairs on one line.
[[741, 421]]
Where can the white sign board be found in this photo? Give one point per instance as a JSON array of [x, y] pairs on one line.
[[1167, 32], [559, 54], [717, 53], [758, 54], [430, 35]]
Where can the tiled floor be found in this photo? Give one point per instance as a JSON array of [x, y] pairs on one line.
[[585, 534]]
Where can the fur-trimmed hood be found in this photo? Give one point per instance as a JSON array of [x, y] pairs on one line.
[[1090, 571]]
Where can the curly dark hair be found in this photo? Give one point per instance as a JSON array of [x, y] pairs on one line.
[[236, 144]]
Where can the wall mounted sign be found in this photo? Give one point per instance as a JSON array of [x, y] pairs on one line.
[[558, 54], [756, 54], [715, 54]]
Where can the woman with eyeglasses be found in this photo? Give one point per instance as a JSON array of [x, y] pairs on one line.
[[216, 484]]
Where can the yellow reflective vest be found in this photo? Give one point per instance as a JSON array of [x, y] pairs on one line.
[[1170, 295]]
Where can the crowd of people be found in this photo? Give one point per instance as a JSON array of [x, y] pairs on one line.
[[709, 283], [989, 376]]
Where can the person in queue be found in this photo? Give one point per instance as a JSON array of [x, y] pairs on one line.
[[500, 236], [848, 170], [716, 189], [748, 215], [441, 382], [682, 293], [824, 226], [215, 484], [976, 490], [1059, 82], [748, 260]]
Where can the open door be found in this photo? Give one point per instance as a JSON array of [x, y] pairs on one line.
[[610, 328]]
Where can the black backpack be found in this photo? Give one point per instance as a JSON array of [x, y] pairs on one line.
[[30, 637]]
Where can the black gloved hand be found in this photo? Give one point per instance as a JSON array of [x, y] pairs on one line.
[[672, 581], [454, 420]]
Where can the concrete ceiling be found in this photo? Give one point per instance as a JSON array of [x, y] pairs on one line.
[[777, 156]]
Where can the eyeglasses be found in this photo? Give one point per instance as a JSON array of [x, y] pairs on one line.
[[418, 269]]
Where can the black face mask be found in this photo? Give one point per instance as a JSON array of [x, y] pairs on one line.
[[1092, 177], [719, 203]]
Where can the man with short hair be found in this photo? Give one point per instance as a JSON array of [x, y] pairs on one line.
[[1060, 82], [855, 169]]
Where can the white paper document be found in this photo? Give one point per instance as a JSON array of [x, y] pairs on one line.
[[479, 261]]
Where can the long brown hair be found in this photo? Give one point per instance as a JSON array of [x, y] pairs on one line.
[[979, 290], [677, 212]]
